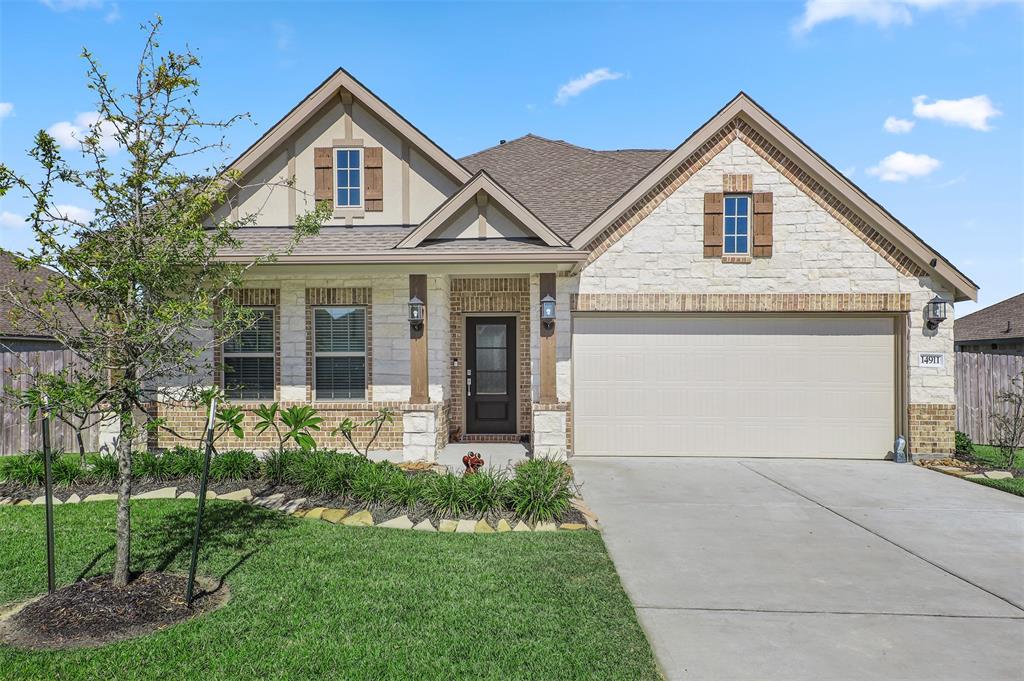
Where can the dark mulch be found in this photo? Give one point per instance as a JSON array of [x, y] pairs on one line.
[[93, 612]]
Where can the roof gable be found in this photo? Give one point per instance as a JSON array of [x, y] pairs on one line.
[[743, 116]]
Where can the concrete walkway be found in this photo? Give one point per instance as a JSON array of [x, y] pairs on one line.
[[818, 570]]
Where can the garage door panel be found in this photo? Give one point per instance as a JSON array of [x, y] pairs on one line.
[[733, 386]]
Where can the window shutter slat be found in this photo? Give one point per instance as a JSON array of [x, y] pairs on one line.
[[323, 171], [713, 224], [763, 236], [373, 169]]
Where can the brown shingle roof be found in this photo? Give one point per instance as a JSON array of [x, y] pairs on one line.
[[564, 185], [18, 280], [1001, 321]]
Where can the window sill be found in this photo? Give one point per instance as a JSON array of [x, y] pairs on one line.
[[737, 259], [349, 213]]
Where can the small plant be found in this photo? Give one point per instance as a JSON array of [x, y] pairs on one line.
[[541, 489], [445, 495], [183, 462], [485, 491], [278, 466], [376, 482], [298, 421], [25, 469], [148, 465], [347, 427], [101, 467], [234, 464], [964, 446], [1008, 421], [66, 470], [407, 490]]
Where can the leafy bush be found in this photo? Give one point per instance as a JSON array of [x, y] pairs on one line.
[[408, 489], [183, 462], [964, 446], [66, 470], [279, 466], [234, 464], [485, 490], [541, 489], [148, 465], [25, 469], [101, 467], [315, 470], [377, 482], [445, 495]]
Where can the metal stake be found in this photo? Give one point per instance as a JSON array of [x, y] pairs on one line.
[[51, 579], [202, 503]]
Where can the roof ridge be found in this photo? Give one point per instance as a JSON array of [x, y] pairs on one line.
[[990, 308]]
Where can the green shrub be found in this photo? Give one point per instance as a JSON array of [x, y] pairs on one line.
[[25, 469], [485, 490], [101, 467], [964, 446], [445, 495], [148, 465], [183, 462], [408, 489], [279, 466], [377, 482], [234, 464], [66, 470], [541, 489]]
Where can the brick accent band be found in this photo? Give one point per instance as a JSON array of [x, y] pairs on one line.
[[740, 184], [932, 428], [740, 302]]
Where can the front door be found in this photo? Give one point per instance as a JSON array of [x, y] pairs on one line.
[[490, 375]]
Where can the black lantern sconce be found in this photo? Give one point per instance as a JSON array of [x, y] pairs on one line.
[[547, 311], [935, 312], [417, 313]]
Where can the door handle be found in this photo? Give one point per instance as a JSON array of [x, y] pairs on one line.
[[469, 386]]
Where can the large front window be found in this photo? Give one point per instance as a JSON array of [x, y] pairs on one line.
[[737, 225], [249, 360], [348, 174], [339, 353]]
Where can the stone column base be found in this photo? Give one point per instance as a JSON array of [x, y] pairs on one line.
[[932, 430], [419, 434], [549, 431]]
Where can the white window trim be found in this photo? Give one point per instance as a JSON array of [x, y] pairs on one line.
[[225, 354], [750, 218], [362, 178], [316, 353]]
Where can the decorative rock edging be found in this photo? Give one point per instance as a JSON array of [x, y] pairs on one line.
[[968, 473], [339, 516]]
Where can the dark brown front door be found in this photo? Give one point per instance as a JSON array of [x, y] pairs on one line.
[[490, 375]]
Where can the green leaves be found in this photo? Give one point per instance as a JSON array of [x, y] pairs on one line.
[[229, 420]]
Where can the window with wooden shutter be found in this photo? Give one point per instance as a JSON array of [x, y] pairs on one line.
[[762, 225], [323, 169], [373, 168], [713, 224]]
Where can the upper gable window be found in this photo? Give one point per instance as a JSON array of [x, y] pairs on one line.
[[737, 225], [348, 172]]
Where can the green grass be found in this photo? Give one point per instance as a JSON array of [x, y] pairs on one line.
[[989, 455], [1011, 485], [312, 600]]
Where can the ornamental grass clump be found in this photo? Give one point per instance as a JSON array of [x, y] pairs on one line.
[[66, 470], [445, 495], [149, 465], [23, 469], [183, 462], [485, 491], [541, 489], [101, 467], [377, 482], [234, 464]]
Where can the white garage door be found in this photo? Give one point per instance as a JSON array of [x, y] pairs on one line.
[[733, 386]]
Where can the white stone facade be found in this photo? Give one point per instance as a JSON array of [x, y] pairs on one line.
[[549, 434]]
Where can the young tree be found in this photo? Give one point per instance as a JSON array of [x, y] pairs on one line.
[[1008, 420], [72, 397], [142, 292]]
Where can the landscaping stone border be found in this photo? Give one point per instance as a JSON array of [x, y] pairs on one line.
[[339, 515]]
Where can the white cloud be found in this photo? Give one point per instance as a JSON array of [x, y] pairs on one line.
[[898, 126], [579, 85], [284, 34], [113, 14], [65, 211], [9, 220], [71, 134], [882, 13], [6, 109], [901, 166], [66, 5], [971, 112]]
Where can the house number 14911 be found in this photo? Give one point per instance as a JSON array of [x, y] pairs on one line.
[[932, 359]]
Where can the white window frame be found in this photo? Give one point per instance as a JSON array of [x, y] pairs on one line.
[[362, 178], [225, 354], [366, 363], [750, 209]]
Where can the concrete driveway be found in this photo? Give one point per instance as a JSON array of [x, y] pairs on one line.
[[819, 570]]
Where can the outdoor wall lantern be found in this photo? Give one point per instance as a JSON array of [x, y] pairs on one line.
[[935, 313], [547, 310], [417, 312]]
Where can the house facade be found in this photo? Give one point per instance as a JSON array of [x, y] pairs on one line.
[[734, 296]]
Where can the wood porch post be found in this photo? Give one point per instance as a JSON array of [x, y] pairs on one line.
[[420, 393], [548, 387]]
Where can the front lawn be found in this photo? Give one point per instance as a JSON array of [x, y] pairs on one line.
[[313, 600], [988, 455]]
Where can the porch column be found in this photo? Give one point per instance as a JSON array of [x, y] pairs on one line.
[[419, 389], [548, 388]]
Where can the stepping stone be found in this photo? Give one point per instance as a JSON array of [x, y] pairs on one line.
[[301, 513], [482, 527], [272, 501], [998, 475], [73, 499], [187, 495], [503, 526], [5, 501], [162, 493], [400, 523], [237, 495], [293, 505], [360, 519], [947, 469], [572, 526], [448, 525], [424, 526], [314, 513], [39, 501], [100, 497], [210, 495], [334, 515], [545, 527], [466, 526], [521, 527], [976, 476], [24, 502]]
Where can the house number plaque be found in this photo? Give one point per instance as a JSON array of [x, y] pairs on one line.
[[932, 359]]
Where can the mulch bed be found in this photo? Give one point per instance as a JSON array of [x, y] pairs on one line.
[[93, 612]]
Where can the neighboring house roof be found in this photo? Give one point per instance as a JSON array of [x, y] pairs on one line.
[[1002, 321], [566, 186], [33, 280]]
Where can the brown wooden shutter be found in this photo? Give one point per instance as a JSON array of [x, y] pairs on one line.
[[713, 224], [373, 169], [762, 225], [323, 174]]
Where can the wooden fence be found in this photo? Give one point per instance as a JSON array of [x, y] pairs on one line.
[[18, 433], [980, 377]]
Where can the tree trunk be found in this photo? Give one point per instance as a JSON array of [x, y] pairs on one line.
[[81, 447], [124, 493]]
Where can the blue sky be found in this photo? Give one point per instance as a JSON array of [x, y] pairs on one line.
[[949, 73]]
